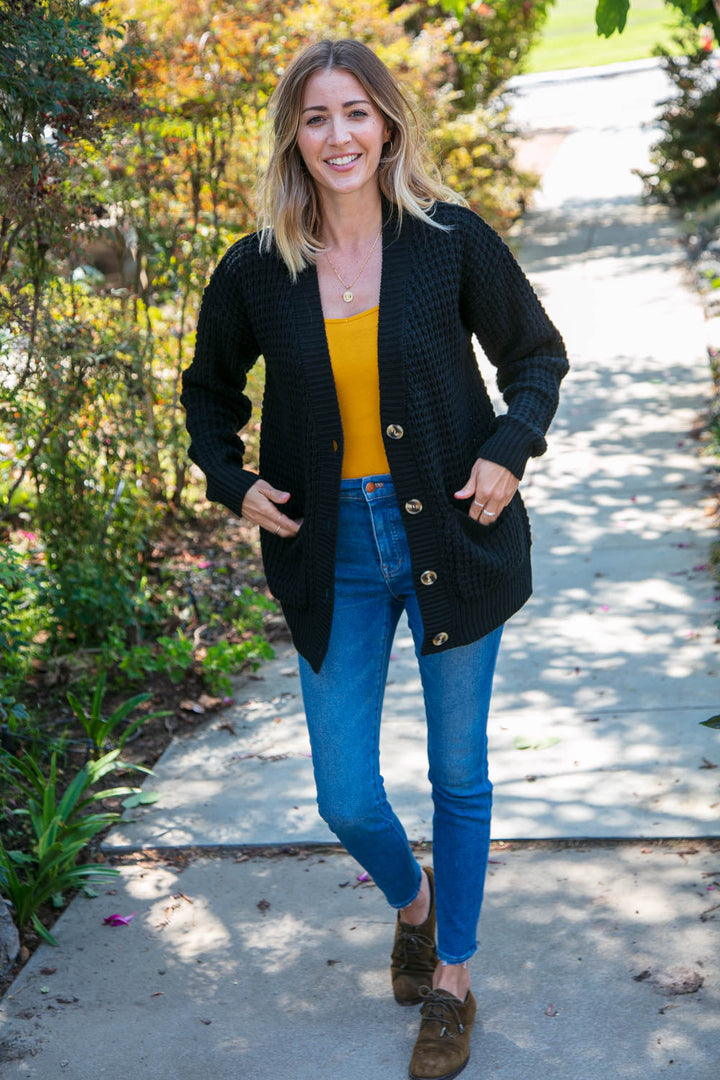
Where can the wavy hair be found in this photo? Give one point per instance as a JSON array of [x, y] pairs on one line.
[[290, 212]]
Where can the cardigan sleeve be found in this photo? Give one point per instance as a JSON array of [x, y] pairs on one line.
[[215, 404], [520, 341]]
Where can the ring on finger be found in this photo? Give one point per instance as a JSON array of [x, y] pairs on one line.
[[476, 503], [277, 530], [489, 514]]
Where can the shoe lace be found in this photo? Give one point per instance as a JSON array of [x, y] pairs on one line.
[[442, 1010], [409, 944]]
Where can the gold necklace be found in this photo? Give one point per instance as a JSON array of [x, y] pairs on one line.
[[348, 295]]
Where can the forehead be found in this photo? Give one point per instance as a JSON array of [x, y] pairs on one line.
[[335, 86]]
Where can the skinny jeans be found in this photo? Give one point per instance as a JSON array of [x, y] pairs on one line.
[[343, 705]]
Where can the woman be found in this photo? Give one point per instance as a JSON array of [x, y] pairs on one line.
[[386, 481]]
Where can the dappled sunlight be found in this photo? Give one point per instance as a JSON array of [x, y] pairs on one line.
[[277, 942]]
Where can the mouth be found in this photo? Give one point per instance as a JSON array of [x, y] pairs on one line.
[[342, 162]]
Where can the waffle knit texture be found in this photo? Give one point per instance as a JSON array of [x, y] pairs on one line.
[[438, 289]]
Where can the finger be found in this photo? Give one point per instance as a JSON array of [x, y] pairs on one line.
[[273, 494], [477, 506], [488, 516], [283, 526]]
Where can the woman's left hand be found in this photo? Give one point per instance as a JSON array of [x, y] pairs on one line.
[[491, 488]]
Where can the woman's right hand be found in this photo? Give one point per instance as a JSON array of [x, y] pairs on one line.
[[259, 507]]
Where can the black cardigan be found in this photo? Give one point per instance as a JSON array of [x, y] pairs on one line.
[[438, 288]]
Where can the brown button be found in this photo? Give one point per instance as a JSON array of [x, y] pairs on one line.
[[394, 431], [440, 639], [413, 506], [370, 486], [428, 577]]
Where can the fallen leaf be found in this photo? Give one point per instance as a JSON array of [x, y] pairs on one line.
[[522, 742], [551, 1011], [209, 702], [191, 706], [47, 970], [643, 975], [227, 725], [141, 798], [707, 764], [263, 905], [119, 920]]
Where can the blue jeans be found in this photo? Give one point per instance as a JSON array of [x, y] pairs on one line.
[[343, 703]]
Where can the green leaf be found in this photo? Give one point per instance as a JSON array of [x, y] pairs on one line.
[[141, 798], [91, 893], [713, 722], [611, 15], [42, 932], [552, 740], [521, 742]]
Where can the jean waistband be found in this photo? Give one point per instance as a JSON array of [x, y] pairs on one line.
[[367, 488]]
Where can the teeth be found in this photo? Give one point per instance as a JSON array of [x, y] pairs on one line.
[[343, 160]]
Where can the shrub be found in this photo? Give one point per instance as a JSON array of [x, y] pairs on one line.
[[686, 159]]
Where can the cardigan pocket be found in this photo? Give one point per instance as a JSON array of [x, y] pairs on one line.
[[486, 557], [286, 566]]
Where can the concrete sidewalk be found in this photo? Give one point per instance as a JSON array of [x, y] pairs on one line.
[[596, 958], [277, 969]]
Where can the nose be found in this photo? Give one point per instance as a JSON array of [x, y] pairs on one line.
[[339, 134]]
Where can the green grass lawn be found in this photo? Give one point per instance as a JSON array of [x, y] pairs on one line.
[[570, 39]]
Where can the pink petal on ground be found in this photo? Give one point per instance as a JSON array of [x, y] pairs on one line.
[[363, 877], [119, 920], [203, 565], [604, 607], [701, 566]]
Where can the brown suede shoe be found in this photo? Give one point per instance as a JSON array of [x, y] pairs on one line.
[[414, 957], [442, 1049]]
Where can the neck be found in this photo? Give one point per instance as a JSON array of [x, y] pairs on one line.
[[349, 223]]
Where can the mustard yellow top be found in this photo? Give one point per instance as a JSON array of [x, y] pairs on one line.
[[353, 355]]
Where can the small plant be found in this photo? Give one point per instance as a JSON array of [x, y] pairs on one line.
[[99, 728], [177, 655], [61, 828], [713, 722], [225, 657]]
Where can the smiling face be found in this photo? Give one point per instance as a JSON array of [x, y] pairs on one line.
[[341, 135]]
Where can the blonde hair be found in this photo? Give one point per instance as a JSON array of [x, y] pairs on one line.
[[290, 213]]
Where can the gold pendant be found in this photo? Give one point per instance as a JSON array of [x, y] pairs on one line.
[[348, 297]]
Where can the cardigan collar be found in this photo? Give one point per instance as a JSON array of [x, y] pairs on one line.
[[312, 339]]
